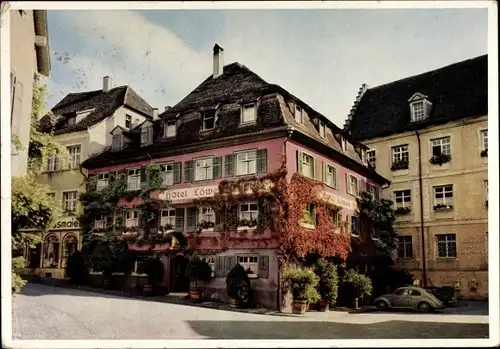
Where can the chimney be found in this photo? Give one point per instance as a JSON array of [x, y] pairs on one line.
[[155, 113], [106, 84], [218, 61], [167, 107]]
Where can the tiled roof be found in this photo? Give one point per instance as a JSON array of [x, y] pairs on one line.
[[456, 91], [105, 104]]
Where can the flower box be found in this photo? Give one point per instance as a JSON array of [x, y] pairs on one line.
[[402, 210], [399, 165], [442, 207], [440, 159], [484, 153]]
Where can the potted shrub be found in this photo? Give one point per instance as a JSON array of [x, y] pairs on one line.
[[300, 282], [361, 284], [153, 268], [197, 270], [238, 286], [328, 283]]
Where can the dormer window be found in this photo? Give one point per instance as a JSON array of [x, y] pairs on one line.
[[117, 142], [146, 136], [71, 121], [322, 129], [128, 121], [298, 114], [363, 157], [343, 143], [248, 113], [170, 129], [208, 121], [420, 107]]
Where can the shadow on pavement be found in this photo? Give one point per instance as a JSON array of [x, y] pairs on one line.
[[335, 330]]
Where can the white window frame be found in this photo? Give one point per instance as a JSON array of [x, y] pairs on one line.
[[484, 139], [102, 181], [70, 204], [371, 157], [170, 129], [167, 216], [417, 111], [403, 243], [132, 218], [146, 135], [74, 155], [337, 218], [168, 174], [308, 210], [249, 113], [249, 261], [449, 238], [440, 191], [400, 153], [322, 129], [246, 212], [205, 212], [245, 159], [117, 142], [404, 196], [352, 185], [352, 231], [210, 260], [305, 165], [444, 143], [206, 117], [343, 143], [134, 179], [100, 223], [206, 165], [332, 176], [373, 190], [53, 163], [51, 194], [128, 120]]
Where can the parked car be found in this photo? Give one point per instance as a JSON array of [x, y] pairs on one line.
[[444, 294], [409, 297]]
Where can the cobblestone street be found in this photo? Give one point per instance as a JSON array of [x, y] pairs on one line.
[[47, 312]]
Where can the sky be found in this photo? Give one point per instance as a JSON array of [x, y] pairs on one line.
[[320, 56]]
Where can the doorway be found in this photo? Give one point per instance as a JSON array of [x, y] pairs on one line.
[[179, 281]]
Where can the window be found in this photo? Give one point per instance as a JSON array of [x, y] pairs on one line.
[[248, 214], [70, 199], [132, 218], [352, 185], [441, 146], [415, 293], [446, 245], [330, 177], [485, 184], [168, 174], [204, 169], [210, 260], [248, 113], [417, 111], [353, 225], [402, 198], [51, 195], [51, 252], [134, 179], [102, 181], [443, 195], [322, 129], [74, 156], [207, 218], [167, 219], [401, 292], [307, 165], [146, 135], [128, 121], [484, 139], [170, 128], [405, 247], [308, 218], [400, 154], [249, 263], [71, 121], [337, 218], [343, 143], [52, 163], [100, 222], [208, 121], [298, 114], [246, 163], [116, 142], [370, 158], [372, 190]]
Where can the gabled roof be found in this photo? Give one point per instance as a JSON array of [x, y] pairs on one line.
[[105, 104], [456, 91]]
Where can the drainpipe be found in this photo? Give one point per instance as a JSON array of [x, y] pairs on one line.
[[422, 234]]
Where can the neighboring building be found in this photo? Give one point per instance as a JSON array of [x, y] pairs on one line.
[[233, 126], [83, 123], [29, 54], [436, 122]]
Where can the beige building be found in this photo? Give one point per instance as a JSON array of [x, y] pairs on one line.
[[428, 134], [29, 54], [82, 122]]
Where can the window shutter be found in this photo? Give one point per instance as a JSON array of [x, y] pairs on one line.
[[324, 167], [232, 217], [337, 178], [229, 165], [217, 173], [347, 187], [261, 160], [299, 161], [188, 171], [179, 220], [144, 177], [316, 170], [177, 172], [228, 264], [264, 267], [219, 266], [191, 219]]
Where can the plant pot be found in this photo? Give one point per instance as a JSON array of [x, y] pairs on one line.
[[299, 307], [147, 290], [235, 303], [195, 296], [322, 305]]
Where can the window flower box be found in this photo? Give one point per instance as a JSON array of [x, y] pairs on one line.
[[402, 210], [443, 207], [207, 225], [440, 159], [399, 165], [247, 223], [484, 153]]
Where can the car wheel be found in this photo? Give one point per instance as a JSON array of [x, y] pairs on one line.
[[381, 306], [424, 307]]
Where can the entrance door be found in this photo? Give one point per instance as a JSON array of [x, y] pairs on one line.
[[34, 255], [179, 282]]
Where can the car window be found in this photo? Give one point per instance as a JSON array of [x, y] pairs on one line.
[[415, 293], [400, 292]]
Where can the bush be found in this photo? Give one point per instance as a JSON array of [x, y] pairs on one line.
[[153, 267], [76, 269], [17, 283], [198, 270], [238, 284], [328, 280], [300, 282], [361, 284]]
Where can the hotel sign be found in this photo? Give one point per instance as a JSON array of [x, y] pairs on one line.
[[189, 193], [338, 201]]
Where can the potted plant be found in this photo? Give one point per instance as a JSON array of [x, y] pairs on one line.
[[361, 284], [197, 270], [440, 159], [399, 165], [300, 282], [153, 268], [328, 283], [402, 210], [238, 286]]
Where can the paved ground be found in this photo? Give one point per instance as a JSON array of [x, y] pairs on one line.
[[48, 312]]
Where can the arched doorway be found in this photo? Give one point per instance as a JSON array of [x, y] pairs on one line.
[[51, 252], [179, 281], [70, 246]]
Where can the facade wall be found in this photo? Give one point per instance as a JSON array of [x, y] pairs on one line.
[[468, 220]]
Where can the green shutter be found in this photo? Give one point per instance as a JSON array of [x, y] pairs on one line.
[[177, 172], [179, 219], [229, 165], [299, 161], [144, 177], [188, 171], [219, 266], [216, 162], [261, 160], [191, 219], [229, 262], [264, 267], [316, 169], [347, 188], [324, 167]]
